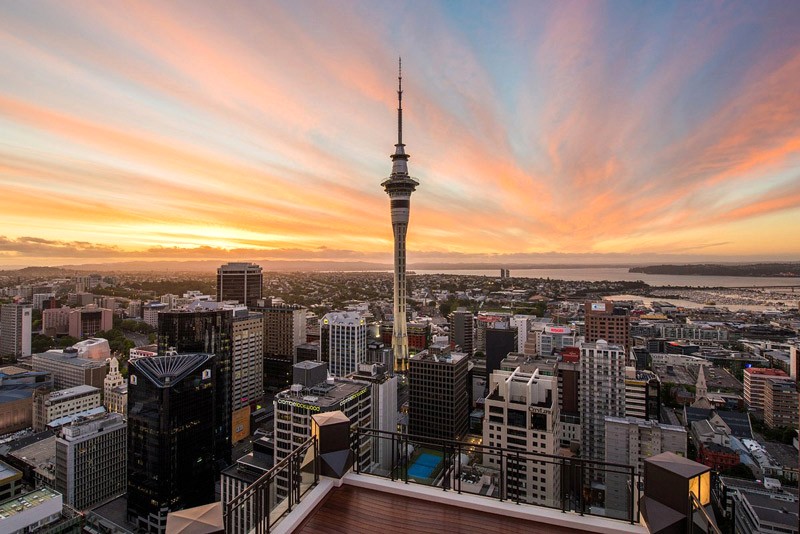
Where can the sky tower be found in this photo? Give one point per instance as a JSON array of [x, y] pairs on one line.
[[399, 187]]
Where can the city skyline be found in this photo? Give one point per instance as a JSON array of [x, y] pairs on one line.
[[544, 132]]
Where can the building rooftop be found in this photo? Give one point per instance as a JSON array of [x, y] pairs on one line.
[[765, 372], [68, 393], [324, 396], [68, 419], [26, 501], [164, 370], [776, 511], [7, 473], [68, 358], [41, 455]]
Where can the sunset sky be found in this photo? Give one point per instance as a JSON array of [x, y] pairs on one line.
[[537, 130]]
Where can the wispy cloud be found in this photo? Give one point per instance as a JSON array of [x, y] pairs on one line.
[[606, 127]]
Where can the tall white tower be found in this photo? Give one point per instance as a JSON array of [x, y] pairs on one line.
[[399, 187]]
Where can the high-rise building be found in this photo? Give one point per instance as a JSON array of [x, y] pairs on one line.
[[755, 380], [241, 282], [438, 401], [606, 322], [568, 370], [343, 342], [89, 320], [462, 330], [501, 340], [55, 321], [384, 408], [642, 394], [284, 331], [522, 414], [631, 441], [312, 392], [522, 323], [248, 359], [207, 328], [91, 456], [15, 330], [602, 394], [780, 403], [115, 389], [171, 438], [51, 405], [399, 187]]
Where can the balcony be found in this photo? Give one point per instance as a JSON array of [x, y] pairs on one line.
[[327, 484]]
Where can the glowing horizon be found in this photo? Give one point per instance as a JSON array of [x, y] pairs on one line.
[[161, 131]]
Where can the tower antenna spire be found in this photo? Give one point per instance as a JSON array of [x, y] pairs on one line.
[[400, 101]]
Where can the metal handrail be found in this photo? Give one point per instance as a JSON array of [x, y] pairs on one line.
[[697, 506]]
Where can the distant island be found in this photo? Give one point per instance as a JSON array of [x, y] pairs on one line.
[[712, 269]]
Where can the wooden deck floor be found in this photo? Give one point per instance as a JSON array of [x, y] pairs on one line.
[[349, 510]]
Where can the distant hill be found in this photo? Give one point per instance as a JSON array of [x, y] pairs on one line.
[[791, 269], [211, 266]]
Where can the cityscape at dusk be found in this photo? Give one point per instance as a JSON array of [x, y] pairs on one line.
[[541, 131]]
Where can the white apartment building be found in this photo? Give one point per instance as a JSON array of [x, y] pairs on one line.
[[345, 342], [522, 414], [602, 394], [15, 329]]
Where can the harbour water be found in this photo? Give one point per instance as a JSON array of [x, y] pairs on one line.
[[621, 274]]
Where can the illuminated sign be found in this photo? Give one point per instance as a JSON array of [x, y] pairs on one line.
[[598, 306], [354, 396], [534, 409], [309, 407], [558, 330], [206, 374], [133, 380]]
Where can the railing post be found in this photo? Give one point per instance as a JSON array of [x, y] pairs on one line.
[[393, 464], [290, 493], [563, 491], [633, 490], [503, 475], [444, 466], [581, 475], [460, 469], [516, 468], [316, 461], [355, 452], [405, 458]]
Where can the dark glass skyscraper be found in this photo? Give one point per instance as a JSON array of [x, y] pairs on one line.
[[170, 437], [208, 331], [241, 282]]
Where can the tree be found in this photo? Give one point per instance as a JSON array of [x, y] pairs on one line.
[[445, 308], [41, 343]]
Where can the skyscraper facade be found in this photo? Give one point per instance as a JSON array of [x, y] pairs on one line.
[[209, 330], [602, 394], [399, 187], [15, 329], [171, 437], [462, 330], [284, 331], [239, 281]]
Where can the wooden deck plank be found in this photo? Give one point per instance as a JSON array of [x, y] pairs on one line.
[[350, 509]]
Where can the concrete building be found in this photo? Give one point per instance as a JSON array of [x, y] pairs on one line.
[[462, 330], [602, 394], [780, 402], [755, 380], [236, 478], [248, 357], [384, 408], [523, 325], [91, 456], [115, 389], [51, 405], [68, 370], [344, 342], [604, 321], [284, 331], [144, 351], [313, 392], [171, 437], [764, 514], [630, 441], [522, 414], [40, 300], [241, 282], [15, 330], [551, 338], [16, 392], [438, 401], [151, 310], [55, 321], [399, 187], [31, 512], [642, 394], [87, 321]]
